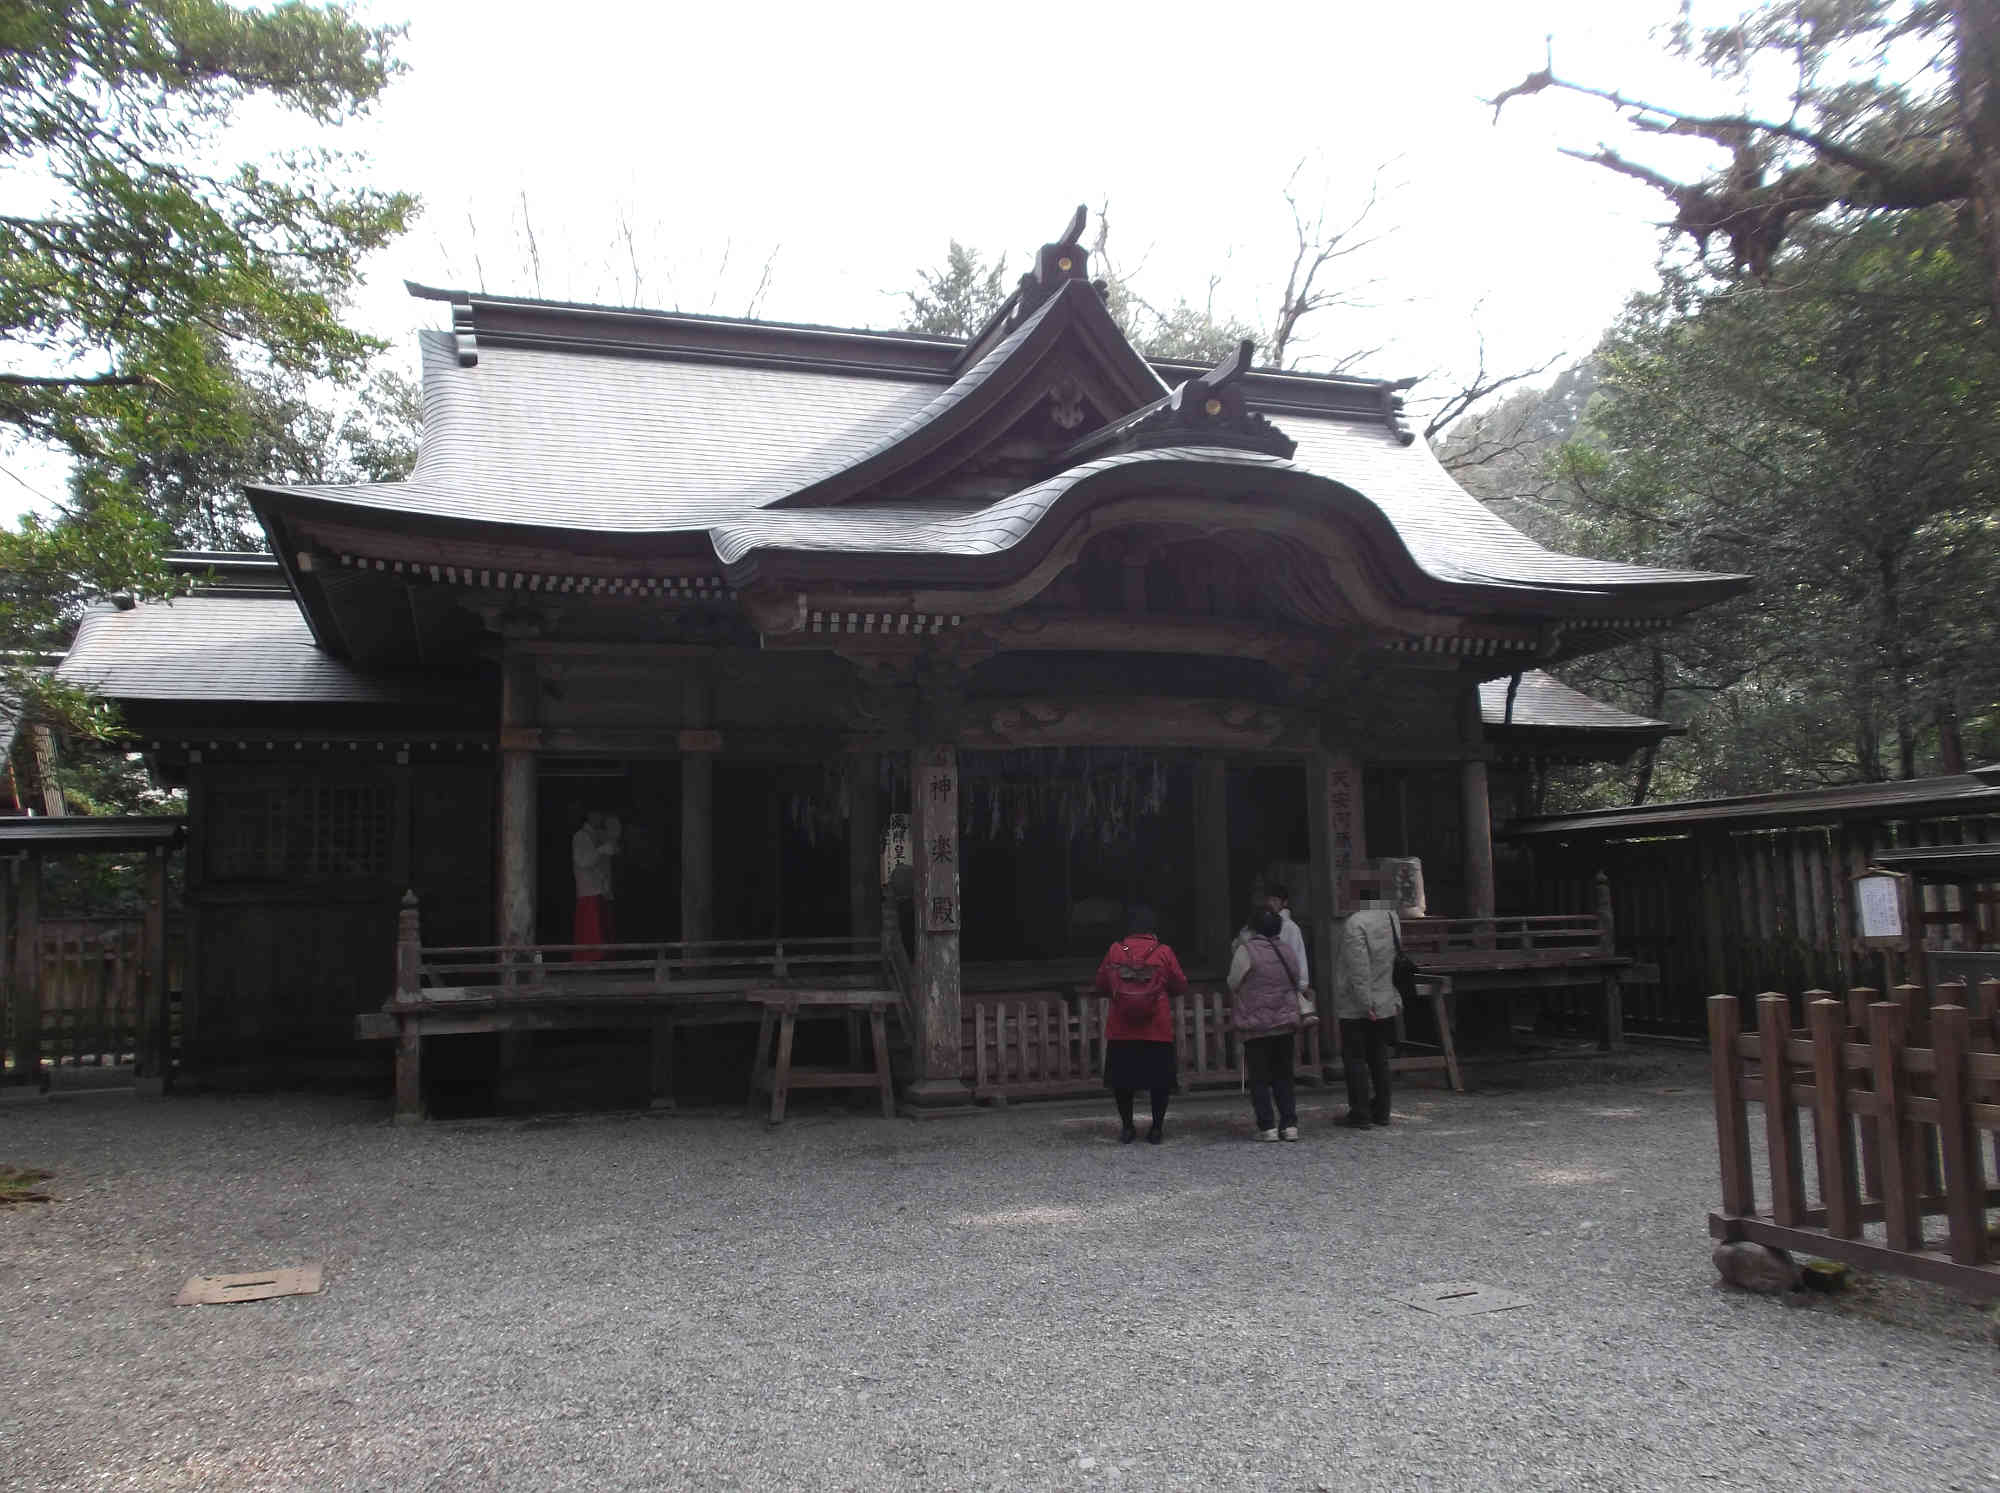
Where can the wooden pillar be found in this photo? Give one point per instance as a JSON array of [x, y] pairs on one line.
[[864, 846], [519, 799], [28, 966], [1477, 813], [1339, 844], [697, 814], [153, 1054], [409, 1036], [934, 849], [1214, 917]]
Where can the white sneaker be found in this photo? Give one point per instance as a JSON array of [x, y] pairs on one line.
[[1290, 1132], [1267, 1135]]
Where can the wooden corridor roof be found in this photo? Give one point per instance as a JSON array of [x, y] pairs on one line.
[[1976, 792]]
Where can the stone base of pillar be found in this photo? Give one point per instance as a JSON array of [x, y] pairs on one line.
[[152, 1087], [936, 1098]]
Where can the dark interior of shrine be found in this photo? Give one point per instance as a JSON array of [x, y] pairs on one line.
[[1056, 847]]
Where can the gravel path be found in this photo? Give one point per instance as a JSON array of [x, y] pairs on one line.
[[1010, 1301]]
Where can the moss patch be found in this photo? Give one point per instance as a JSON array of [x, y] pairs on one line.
[[22, 1184]]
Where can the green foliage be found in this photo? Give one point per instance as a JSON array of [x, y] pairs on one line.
[[959, 297], [276, 427], [146, 269], [165, 315], [49, 573], [1187, 333], [1835, 433]]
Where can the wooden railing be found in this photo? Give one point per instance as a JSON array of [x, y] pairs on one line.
[[1043, 1043], [499, 972], [1552, 939], [620, 968], [1917, 1079]]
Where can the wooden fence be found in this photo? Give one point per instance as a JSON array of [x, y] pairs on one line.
[[1917, 1079], [1042, 1043], [92, 970], [1764, 908]]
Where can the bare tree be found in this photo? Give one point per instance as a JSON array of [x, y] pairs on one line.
[[1856, 136], [1317, 248]]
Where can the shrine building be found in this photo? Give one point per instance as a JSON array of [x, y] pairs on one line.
[[1061, 628]]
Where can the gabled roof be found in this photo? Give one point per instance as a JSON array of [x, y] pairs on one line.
[[1072, 320], [218, 649], [1544, 703]]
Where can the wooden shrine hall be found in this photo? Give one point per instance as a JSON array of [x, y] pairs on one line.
[[880, 662]]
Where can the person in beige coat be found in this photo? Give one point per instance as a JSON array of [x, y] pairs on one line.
[[1366, 1004]]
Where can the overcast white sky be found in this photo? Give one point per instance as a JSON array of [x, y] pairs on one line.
[[844, 145]]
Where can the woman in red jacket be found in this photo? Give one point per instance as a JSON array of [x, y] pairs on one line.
[[1139, 973]]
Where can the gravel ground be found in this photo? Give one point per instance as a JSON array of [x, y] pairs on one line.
[[1011, 1301]]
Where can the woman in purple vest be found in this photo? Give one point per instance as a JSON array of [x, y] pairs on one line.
[[1264, 988]]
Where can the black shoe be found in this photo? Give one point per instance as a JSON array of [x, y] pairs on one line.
[[1126, 1135], [1355, 1120], [1378, 1119], [1157, 1134]]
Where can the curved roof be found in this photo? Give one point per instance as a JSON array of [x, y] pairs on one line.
[[599, 428], [996, 528]]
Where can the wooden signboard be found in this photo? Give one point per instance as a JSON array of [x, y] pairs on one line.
[[1878, 909], [896, 867], [937, 844]]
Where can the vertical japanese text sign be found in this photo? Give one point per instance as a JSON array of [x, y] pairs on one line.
[[1343, 814], [896, 865], [936, 851]]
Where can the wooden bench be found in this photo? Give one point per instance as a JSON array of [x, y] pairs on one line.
[[1491, 955], [782, 1009]]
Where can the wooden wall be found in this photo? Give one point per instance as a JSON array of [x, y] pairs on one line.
[[1736, 912], [295, 873]]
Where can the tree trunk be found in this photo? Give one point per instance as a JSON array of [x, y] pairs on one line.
[[1888, 564], [1951, 743], [1977, 25], [1656, 707]]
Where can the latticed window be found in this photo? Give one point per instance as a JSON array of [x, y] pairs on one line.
[[300, 831]]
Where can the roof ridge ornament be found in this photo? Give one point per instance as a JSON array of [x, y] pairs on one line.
[[1207, 410], [1392, 410], [1056, 264], [465, 333]]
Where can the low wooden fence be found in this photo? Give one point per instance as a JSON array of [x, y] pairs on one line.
[[1899, 1092], [92, 971], [1739, 904], [1043, 1043]]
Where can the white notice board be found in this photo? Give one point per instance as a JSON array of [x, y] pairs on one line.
[[1878, 905]]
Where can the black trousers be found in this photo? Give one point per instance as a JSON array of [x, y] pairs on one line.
[[1364, 1057], [1267, 1063], [1123, 1099]]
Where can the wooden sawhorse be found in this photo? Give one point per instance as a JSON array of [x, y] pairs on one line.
[[1437, 990], [782, 1008]]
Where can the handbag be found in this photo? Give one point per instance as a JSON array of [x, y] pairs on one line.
[[1402, 973], [1308, 1004]]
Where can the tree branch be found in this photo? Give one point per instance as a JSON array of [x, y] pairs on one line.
[[64, 381]]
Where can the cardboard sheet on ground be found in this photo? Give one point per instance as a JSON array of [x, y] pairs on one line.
[[257, 1285], [1462, 1298]]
